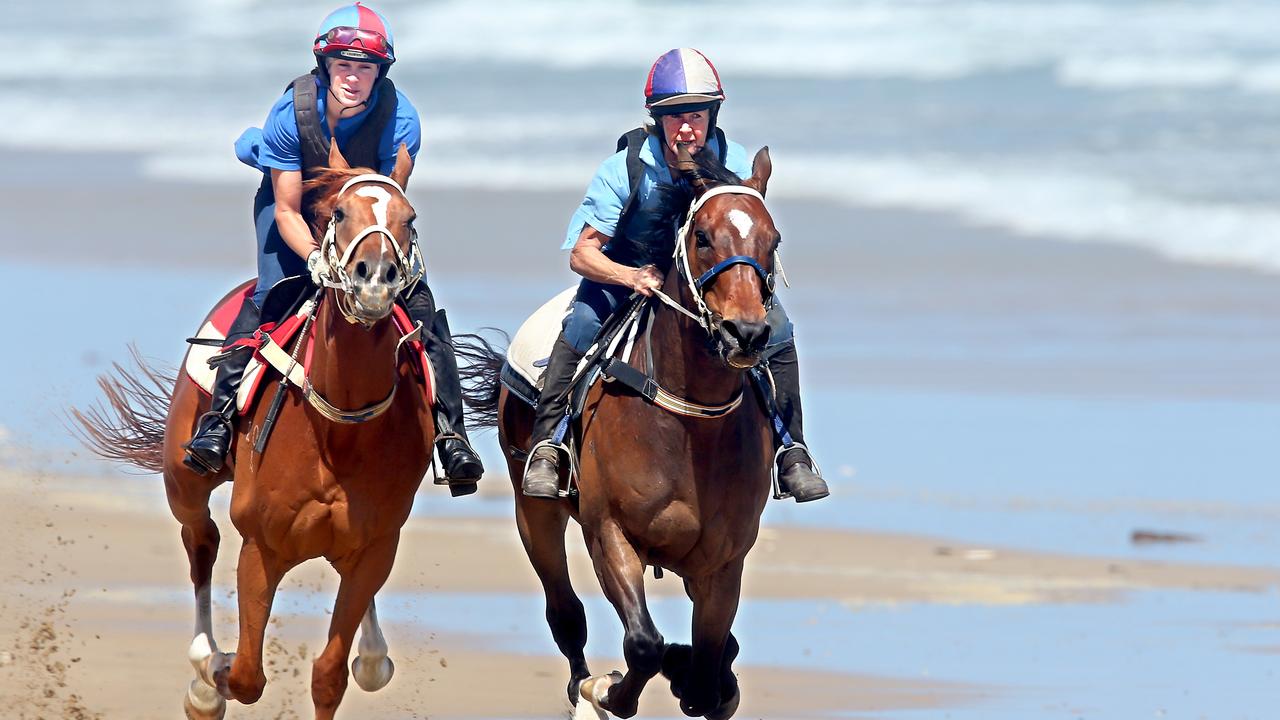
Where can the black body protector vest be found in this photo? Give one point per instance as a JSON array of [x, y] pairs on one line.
[[361, 149], [618, 249]]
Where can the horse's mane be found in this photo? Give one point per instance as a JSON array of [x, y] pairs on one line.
[[656, 227], [321, 192]]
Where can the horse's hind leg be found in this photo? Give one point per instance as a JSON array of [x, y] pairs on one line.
[[542, 525], [188, 495], [621, 576], [362, 574]]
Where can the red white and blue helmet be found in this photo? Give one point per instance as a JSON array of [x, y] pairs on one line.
[[355, 32], [682, 78]]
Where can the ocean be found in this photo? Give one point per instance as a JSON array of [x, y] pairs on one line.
[[1148, 123]]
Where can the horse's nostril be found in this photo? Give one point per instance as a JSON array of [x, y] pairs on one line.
[[391, 274], [750, 335], [362, 270]]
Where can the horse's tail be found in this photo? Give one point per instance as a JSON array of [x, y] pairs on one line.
[[480, 366], [129, 427]]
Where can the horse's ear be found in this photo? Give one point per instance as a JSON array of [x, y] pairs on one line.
[[688, 167], [404, 165], [336, 161], [761, 169]]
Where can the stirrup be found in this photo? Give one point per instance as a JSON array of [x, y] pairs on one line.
[[564, 451], [776, 472]]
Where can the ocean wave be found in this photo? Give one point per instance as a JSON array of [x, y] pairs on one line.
[[1103, 45]]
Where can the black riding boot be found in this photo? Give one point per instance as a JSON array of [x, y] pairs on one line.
[[797, 473], [462, 466], [207, 448], [542, 475]]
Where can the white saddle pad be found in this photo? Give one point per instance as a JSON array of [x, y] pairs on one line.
[[533, 341]]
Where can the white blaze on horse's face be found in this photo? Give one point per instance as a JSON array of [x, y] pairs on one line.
[[381, 199], [742, 221]]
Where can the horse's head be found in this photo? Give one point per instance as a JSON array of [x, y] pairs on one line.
[[369, 241], [725, 251]]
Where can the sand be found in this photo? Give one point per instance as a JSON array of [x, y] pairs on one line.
[[95, 619]]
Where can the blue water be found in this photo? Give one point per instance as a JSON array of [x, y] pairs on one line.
[[1068, 473]]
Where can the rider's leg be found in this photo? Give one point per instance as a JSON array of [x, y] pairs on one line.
[[462, 467], [797, 473], [593, 302], [207, 449]]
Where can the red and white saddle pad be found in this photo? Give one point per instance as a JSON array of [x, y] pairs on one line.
[[282, 334]]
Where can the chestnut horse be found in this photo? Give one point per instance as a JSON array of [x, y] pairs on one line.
[[320, 488], [656, 487]]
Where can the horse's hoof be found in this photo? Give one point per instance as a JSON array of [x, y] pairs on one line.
[[594, 690], [726, 709], [203, 702], [374, 674]]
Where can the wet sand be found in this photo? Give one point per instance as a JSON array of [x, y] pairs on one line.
[[96, 614]]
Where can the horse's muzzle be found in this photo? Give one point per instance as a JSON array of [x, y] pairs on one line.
[[373, 289], [743, 341]]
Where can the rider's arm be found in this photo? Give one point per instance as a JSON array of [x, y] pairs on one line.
[[588, 260], [287, 185]]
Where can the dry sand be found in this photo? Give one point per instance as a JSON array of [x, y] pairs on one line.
[[83, 635]]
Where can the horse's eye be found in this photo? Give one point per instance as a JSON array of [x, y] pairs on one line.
[[701, 238], [338, 215]]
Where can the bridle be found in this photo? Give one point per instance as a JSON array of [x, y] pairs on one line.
[[705, 317], [410, 267]]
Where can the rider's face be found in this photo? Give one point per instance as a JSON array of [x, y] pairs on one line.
[[351, 82], [688, 128]]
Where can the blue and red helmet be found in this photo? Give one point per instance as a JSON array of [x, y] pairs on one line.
[[682, 78], [356, 32]]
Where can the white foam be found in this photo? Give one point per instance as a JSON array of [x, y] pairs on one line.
[[1036, 201], [1100, 44]]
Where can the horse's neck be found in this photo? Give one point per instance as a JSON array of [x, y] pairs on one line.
[[351, 366], [684, 363]]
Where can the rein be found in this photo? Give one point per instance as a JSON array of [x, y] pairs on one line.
[[411, 266]]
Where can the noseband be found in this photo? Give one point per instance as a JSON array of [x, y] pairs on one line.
[[697, 286], [411, 267]]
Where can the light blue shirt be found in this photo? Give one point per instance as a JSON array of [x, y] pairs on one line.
[[610, 188], [278, 145]]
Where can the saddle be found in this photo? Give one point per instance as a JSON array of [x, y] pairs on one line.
[[273, 338]]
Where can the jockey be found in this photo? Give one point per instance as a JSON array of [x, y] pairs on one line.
[[347, 97], [683, 95]]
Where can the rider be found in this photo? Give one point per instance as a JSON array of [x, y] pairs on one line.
[[683, 96], [347, 97]]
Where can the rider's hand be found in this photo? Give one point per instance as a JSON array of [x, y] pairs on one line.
[[646, 280], [317, 266]]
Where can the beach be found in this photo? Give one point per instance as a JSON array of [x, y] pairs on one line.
[[1032, 253]]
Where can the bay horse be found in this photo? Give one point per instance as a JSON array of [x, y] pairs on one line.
[[681, 492], [336, 487]]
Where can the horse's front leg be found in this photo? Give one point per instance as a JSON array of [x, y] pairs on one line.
[[621, 575], [257, 577], [362, 574], [711, 688]]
